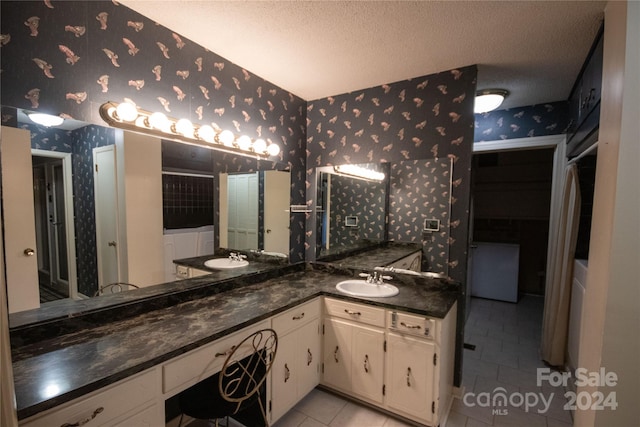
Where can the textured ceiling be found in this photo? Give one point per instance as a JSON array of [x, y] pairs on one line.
[[315, 49]]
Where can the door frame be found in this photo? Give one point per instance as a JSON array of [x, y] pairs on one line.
[[558, 143], [68, 214]]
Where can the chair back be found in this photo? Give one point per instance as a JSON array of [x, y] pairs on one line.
[[247, 366], [113, 288]]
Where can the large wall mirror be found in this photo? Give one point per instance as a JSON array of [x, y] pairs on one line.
[[352, 209], [411, 204], [67, 208]]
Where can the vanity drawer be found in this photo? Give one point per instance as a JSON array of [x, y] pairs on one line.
[[184, 371], [412, 324], [105, 406], [293, 318], [373, 316]]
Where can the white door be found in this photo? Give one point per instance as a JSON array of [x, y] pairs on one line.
[[337, 354], [410, 376], [276, 211], [284, 375], [106, 202], [367, 362], [243, 211], [309, 357], [20, 239]]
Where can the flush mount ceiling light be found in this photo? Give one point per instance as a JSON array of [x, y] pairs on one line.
[[359, 172], [129, 117], [45, 119], [489, 99]]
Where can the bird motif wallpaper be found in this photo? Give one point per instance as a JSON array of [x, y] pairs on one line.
[[365, 200], [523, 122], [421, 190], [423, 118], [69, 57]]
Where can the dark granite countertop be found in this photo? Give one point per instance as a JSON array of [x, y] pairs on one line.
[[376, 256], [85, 360]]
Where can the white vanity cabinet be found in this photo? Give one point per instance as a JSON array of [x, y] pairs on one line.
[[399, 361], [295, 371], [132, 402], [353, 360], [411, 262]]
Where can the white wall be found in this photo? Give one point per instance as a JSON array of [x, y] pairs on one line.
[[140, 214], [609, 336]]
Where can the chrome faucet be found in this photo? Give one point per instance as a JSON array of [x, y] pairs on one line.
[[236, 257], [375, 278]]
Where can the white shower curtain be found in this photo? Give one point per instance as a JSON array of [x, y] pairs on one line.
[[558, 283]]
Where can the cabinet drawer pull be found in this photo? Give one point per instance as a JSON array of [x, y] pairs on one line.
[[309, 357], [335, 354], [86, 420], [409, 376], [298, 317], [366, 363], [409, 326], [287, 373], [352, 313], [226, 352]]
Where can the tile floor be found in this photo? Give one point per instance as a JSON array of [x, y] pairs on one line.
[[322, 409], [507, 339]]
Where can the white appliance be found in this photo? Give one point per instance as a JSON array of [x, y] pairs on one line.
[[494, 273]]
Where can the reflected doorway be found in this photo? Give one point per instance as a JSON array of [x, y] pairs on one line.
[[53, 216]]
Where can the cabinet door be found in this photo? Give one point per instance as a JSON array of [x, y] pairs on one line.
[[308, 357], [410, 376], [337, 354], [284, 376], [367, 362]]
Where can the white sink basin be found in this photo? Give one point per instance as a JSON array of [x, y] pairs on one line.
[[360, 288], [225, 263]]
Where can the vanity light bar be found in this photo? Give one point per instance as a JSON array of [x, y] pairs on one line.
[[359, 172], [129, 117]]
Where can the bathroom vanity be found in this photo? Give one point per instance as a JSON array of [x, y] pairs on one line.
[[122, 372]]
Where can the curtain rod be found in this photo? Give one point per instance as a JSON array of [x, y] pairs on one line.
[[584, 153]]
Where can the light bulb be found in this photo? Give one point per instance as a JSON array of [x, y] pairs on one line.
[[273, 150], [160, 122], [126, 112], [45, 119], [244, 142], [207, 133], [185, 127], [259, 146], [226, 137]]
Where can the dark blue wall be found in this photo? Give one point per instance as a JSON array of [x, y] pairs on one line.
[[523, 122]]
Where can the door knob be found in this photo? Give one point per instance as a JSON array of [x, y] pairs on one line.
[[268, 230], [29, 252], [112, 243]]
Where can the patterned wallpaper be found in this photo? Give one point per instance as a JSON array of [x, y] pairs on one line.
[[429, 117], [421, 189], [356, 197], [70, 57], [523, 122], [85, 140]]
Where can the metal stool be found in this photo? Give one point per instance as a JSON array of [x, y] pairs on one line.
[[238, 386], [113, 288]]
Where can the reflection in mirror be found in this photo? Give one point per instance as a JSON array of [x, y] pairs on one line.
[[254, 211], [71, 250], [352, 210], [413, 203], [419, 209], [62, 209]]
